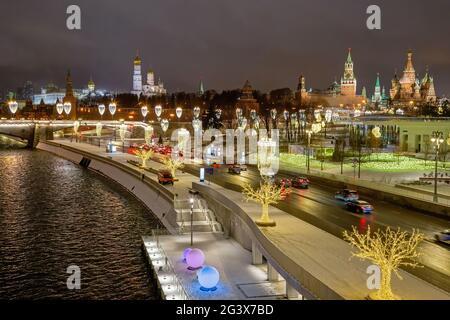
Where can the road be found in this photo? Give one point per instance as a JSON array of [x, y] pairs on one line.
[[318, 207]]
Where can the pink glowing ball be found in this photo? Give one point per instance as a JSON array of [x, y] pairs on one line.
[[185, 253], [195, 258]]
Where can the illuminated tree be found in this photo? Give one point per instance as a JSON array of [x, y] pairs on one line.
[[389, 250], [143, 155], [267, 194], [173, 165]]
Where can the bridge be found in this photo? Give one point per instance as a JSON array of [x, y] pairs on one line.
[[35, 130]]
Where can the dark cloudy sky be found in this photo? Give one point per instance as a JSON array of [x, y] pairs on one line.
[[223, 42]]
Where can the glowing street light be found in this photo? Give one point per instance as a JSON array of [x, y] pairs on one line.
[[59, 108], [67, 107], [101, 110], [179, 112], [13, 106], [164, 125], [144, 111], [437, 138], [197, 112], [112, 108], [158, 111]]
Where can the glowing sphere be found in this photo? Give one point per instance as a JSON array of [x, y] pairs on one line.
[[208, 277], [195, 258], [185, 252]]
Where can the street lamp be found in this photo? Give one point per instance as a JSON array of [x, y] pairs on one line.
[[101, 110], [13, 106], [192, 197], [179, 112], [197, 111], [67, 108], [437, 138], [158, 111], [112, 109], [144, 111], [59, 108], [309, 133]]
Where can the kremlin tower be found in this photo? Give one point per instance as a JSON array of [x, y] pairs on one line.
[[348, 81]]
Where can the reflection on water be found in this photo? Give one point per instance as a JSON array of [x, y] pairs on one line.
[[54, 214]]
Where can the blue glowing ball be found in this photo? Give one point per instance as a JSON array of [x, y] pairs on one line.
[[195, 258], [208, 277], [185, 253]]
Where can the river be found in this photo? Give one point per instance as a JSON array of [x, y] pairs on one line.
[[55, 214]]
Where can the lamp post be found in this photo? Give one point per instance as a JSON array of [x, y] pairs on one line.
[[112, 109], [101, 110], [192, 197], [59, 108], [13, 106], [437, 138], [144, 111], [67, 108], [308, 132], [158, 112]]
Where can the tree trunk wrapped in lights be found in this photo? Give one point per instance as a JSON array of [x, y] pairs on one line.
[[389, 250], [144, 155], [267, 194], [173, 165]]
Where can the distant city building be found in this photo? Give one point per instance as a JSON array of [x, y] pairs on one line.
[[409, 89], [337, 94], [51, 94], [379, 97], [149, 88]]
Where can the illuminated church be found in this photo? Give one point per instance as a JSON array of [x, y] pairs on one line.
[[409, 89], [149, 88]]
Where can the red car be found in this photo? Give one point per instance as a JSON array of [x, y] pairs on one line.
[[165, 177], [300, 183]]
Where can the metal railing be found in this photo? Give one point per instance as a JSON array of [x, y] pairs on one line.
[[168, 267]]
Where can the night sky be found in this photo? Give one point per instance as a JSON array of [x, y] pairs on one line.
[[223, 42]]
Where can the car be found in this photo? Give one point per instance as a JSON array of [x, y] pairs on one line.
[[234, 169], [243, 167], [165, 177], [359, 206], [215, 165], [443, 236], [300, 183], [285, 182], [347, 195], [285, 192]]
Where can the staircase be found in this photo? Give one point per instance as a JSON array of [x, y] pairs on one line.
[[203, 218]]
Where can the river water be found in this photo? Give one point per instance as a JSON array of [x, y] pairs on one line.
[[54, 214]]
